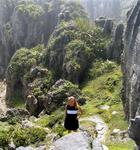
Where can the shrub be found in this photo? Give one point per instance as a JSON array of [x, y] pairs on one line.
[[27, 136], [4, 139], [101, 67]]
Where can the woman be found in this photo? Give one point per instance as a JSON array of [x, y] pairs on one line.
[[72, 114]]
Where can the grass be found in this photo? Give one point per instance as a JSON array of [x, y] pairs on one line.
[[121, 146], [103, 90], [18, 103]]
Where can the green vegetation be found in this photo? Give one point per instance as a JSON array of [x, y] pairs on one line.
[[121, 146], [51, 120], [79, 45], [104, 88], [33, 10], [24, 137], [23, 60], [20, 136]]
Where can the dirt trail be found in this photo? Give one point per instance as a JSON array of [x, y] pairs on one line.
[[3, 106], [101, 126]]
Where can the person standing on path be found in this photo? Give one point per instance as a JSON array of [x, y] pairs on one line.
[[72, 114]]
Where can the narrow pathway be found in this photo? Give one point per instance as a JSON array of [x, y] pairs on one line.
[[3, 106], [101, 126]]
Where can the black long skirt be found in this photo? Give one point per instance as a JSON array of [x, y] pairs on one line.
[[71, 122]]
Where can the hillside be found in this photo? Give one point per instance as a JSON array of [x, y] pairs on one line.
[[51, 50]]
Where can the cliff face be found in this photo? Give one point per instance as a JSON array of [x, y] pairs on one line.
[[25, 24], [131, 63]]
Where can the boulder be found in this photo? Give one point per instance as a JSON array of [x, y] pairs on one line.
[[74, 141], [97, 145], [77, 141], [32, 104], [134, 130]]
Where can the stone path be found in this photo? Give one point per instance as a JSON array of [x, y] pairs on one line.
[[3, 106], [101, 126]]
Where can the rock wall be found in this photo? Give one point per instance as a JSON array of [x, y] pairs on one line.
[[131, 64], [131, 72]]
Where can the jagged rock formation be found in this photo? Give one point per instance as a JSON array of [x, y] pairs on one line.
[[54, 98], [116, 47], [105, 24], [134, 129], [25, 24], [131, 64], [32, 73], [131, 71]]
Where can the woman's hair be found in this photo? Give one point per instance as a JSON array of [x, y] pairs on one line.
[[76, 105]]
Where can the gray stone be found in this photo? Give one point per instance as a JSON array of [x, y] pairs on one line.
[[73, 141], [131, 64], [108, 27], [97, 145], [134, 129], [116, 47]]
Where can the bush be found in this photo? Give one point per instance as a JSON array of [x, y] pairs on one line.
[[27, 136], [60, 130], [4, 139], [101, 67]]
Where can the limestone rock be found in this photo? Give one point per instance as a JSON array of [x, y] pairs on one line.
[[13, 112], [131, 64], [131, 72], [97, 145], [116, 47], [134, 129], [21, 26], [77, 141], [108, 26], [100, 21], [32, 105], [105, 24]]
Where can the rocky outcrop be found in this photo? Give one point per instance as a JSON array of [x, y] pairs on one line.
[[13, 112], [25, 24], [134, 129], [131, 71], [116, 47], [131, 64], [78, 141]]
